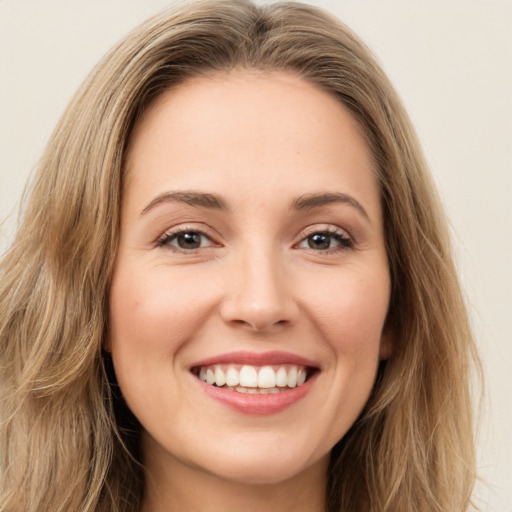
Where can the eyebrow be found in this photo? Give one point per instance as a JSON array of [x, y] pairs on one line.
[[215, 202], [311, 201], [192, 198]]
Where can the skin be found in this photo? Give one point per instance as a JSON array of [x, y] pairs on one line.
[[260, 141]]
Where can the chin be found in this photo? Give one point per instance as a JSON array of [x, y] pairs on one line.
[[265, 465]]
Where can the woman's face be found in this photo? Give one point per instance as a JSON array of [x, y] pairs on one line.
[[251, 256]]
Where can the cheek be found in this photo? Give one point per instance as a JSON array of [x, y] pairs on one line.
[[350, 310], [152, 315]]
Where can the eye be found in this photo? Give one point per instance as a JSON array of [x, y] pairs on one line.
[[186, 240], [326, 240]]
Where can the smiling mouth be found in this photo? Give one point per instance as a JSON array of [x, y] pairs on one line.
[[250, 379]]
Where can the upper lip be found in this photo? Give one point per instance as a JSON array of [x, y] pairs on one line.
[[257, 359]]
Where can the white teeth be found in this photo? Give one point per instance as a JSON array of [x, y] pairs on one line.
[[281, 377], [255, 391], [292, 377], [253, 379], [232, 377], [210, 376], [248, 377], [267, 377], [220, 378]]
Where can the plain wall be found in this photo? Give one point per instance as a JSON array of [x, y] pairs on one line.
[[451, 61]]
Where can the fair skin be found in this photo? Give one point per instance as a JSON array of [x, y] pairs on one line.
[[251, 235]]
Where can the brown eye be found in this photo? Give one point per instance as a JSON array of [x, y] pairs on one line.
[[186, 240], [189, 240], [327, 241], [319, 241]]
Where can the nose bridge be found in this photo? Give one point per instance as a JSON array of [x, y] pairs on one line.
[[260, 296]]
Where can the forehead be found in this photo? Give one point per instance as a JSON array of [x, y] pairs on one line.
[[249, 127]]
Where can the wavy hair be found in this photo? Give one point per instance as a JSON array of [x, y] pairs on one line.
[[67, 441]]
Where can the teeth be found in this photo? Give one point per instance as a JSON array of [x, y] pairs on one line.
[[254, 379], [256, 391], [220, 378], [267, 377], [248, 377], [281, 378], [210, 376], [292, 378], [232, 377]]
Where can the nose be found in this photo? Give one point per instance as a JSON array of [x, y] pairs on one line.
[[259, 296]]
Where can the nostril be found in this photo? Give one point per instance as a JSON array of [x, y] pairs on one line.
[[258, 322], [262, 325]]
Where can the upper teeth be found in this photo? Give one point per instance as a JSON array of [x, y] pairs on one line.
[[254, 376]]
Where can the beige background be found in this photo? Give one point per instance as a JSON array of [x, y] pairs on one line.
[[451, 60]]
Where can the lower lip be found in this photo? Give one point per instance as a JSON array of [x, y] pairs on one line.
[[258, 405]]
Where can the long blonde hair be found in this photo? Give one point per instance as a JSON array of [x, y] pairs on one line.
[[66, 441]]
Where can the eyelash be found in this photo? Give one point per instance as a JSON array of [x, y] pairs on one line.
[[341, 237]]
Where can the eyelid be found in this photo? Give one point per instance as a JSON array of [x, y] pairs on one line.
[[324, 228]]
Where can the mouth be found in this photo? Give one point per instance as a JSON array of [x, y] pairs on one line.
[[255, 379], [256, 383]]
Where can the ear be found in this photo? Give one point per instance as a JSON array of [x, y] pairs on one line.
[[387, 346]]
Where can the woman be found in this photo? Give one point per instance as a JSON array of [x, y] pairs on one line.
[[232, 286]]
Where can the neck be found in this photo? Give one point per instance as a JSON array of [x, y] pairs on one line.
[[178, 487]]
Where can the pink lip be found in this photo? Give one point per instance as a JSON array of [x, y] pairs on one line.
[[257, 359], [258, 405]]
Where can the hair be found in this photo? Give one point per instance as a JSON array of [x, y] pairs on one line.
[[67, 441]]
